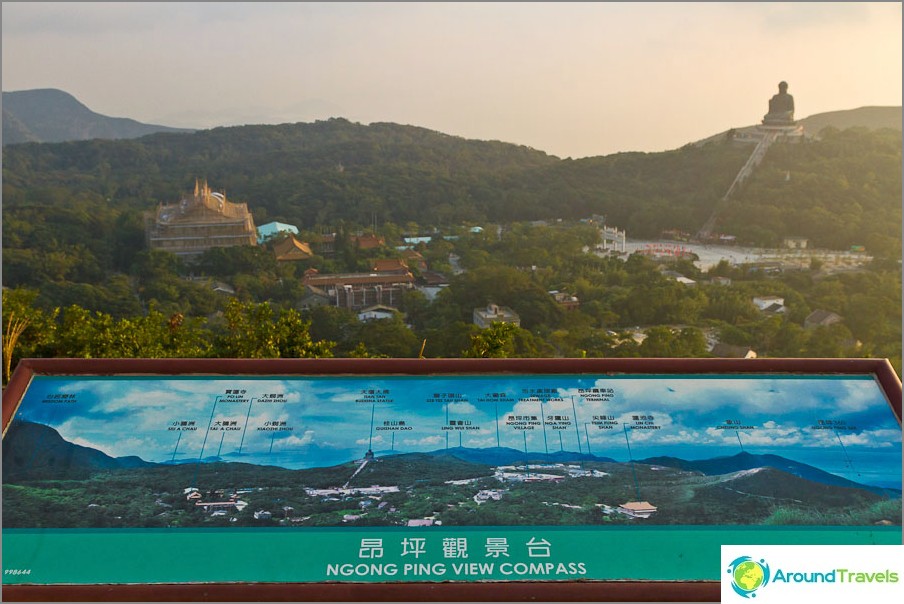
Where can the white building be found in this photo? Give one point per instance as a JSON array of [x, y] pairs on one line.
[[772, 304], [493, 313]]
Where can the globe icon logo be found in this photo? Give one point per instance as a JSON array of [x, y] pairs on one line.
[[748, 575]]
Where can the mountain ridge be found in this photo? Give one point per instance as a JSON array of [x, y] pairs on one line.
[[39, 451], [495, 456], [48, 115], [748, 461], [26, 119], [32, 450]]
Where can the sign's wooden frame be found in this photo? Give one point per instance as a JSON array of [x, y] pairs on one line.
[[597, 591]]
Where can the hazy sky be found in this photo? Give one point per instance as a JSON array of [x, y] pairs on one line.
[[571, 79]]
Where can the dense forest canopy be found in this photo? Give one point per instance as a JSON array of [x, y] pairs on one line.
[[322, 173]]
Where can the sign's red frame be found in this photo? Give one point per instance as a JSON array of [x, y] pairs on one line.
[[598, 591]]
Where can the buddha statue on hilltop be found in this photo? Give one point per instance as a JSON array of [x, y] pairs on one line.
[[781, 108]]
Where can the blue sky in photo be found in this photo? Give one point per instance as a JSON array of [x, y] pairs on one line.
[[833, 422]]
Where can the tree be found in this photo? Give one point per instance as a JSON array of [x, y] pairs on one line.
[[253, 332], [250, 331], [830, 341], [389, 337], [665, 342], [334, 324], [294, 338], [15, 326], [494, 342], [27, 330]]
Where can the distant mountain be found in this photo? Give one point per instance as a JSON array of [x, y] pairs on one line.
[[748, 461], [777, 484], [872, 118], [49, 116], [411, 468], [35, 451], [14, 131], [501, 456]]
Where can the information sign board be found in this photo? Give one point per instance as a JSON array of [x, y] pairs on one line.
[[393, 478]]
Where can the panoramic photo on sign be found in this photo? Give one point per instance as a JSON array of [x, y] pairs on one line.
[[422, 478]]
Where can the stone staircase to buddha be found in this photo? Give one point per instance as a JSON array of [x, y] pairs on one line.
[[746, 170]]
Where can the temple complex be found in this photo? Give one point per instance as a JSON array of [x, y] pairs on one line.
[[198, 222]]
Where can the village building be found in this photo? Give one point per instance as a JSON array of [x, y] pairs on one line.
[[325, 244], [290, 249], [314, 297], [485, 495], [795, 243], [268, 231], [378, 311], [770, 304], [356, 291], [637, 509], [199, 222], [396, 266], [730, 351], [430, 283], [415, 259], [421, 522], [765, 268], [225, 505], [367, 241], [493, 313], [821, 318], [221, 287], [678, 277], [565, 300]]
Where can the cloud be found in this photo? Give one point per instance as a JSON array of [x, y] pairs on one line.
[[782, 18], [682, 437], [879, 439], [295, 441], [430, 441], [76, 19], [461, 408], [481, 442], [377, 440]]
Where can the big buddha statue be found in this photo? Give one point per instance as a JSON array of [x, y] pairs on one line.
[[781, 108]]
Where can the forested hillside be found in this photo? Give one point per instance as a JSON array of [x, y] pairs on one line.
[[840, 191], [75, 258], [326, 172]]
